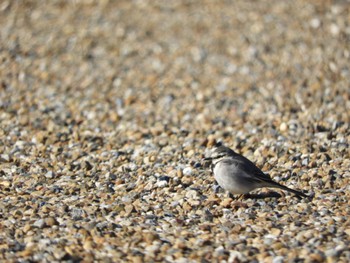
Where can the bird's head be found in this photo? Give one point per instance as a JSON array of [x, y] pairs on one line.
[[219, 153]]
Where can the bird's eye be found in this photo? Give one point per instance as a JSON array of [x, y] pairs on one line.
[[218, 156]]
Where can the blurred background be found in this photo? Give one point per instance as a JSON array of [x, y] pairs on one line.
[[210, 64]]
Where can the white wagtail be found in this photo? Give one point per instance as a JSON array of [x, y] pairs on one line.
[[238, 175]]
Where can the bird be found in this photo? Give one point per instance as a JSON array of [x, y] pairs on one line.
[[238, 175]]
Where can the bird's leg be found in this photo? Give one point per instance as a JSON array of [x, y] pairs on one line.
[[238, 202], [240, 197], [229, 195]]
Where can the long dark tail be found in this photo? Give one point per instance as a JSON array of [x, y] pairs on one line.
[[297, 193]]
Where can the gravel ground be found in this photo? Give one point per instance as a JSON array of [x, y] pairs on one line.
[[108, 107]]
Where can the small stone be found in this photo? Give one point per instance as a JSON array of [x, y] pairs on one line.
[[315, 23], [211, 141], [331, 253], [347, 231], [88, 244], [163, 142], [187, 171], [305, 162], [186, 180], [26, 228], [190, 153], [283, 127], [236, 256], [136, 259], [278, 259], [4, 158], [5, 184], [51, 221], [275, 231], [153, 158], [40, 223], [161, 183], [50, 175], [334, 29], [150, 237], [146, 160], [315, 257], [226, 202], [128, 209]]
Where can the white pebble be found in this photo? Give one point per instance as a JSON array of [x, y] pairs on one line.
[[283, 127], [278, 259], [187, 171], [49, 175], [335, 30], [235, 256], [39, 223], [161, 183], [315, 23]]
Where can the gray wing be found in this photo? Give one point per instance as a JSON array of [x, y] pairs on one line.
[[254, 174], [244, 164]]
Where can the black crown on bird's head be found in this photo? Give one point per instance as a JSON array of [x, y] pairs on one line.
[[220, 151]]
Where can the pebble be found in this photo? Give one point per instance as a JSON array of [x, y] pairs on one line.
[[283, 127], [187, 171], [278, 259], [334, 29], [51, 221], [40, 223], [4, 158], [49, 175], [162, 183], [315, 23]]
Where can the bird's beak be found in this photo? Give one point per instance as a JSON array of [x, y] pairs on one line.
[[207, 161]]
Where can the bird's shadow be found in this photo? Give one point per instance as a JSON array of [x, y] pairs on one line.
[[265, 195], [270, 194]]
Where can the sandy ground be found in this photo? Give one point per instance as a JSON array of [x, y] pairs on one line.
[[108, 107]]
